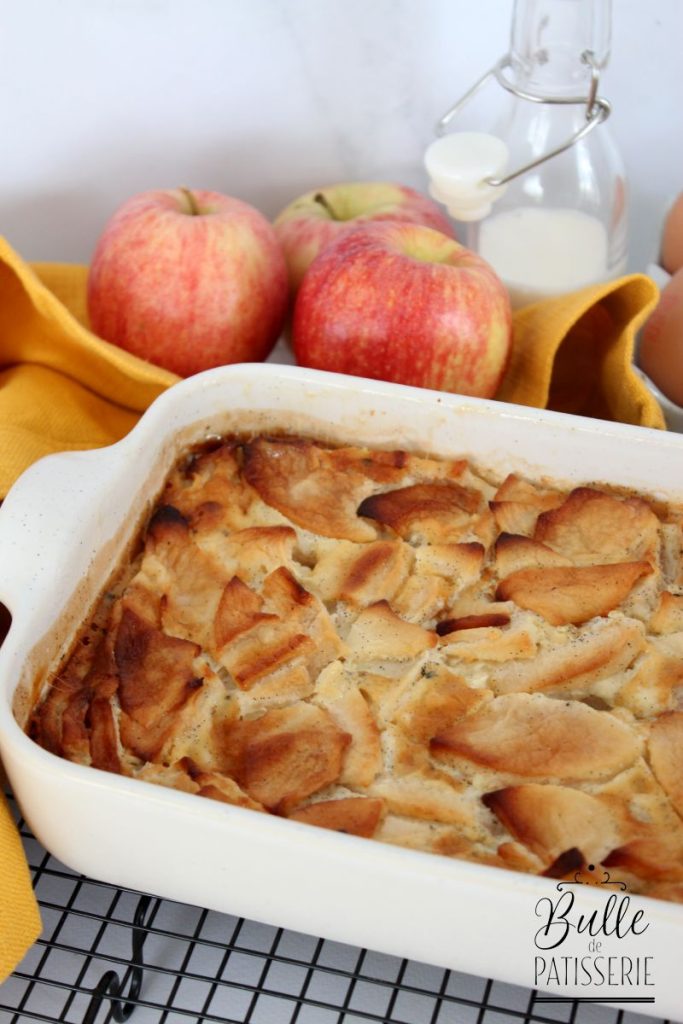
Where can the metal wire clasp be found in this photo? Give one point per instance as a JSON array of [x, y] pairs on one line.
[[597, 109]]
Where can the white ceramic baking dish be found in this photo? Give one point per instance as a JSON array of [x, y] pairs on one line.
[[62, 530]]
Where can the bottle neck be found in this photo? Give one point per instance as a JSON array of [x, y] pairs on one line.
[[550, 40]]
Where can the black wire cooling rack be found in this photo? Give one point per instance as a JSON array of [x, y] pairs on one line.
[[109, 954]]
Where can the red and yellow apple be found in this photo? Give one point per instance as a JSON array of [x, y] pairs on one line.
[[188, 280], [315, 219], [404, 303]]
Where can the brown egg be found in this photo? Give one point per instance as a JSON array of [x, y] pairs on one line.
[[661, 346], [672, 238]]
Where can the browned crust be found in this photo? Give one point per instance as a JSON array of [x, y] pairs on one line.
[[379, 633], [166, 523], [514, 551], [301, 480], [104, 748], [358, 816], [156, 673], [514, 517], [285, 755], [439, 699], [447, 626], [379, 567], [551, 820], [657, 858], [421, 506], [571, 594], [540, 738], [217, 786], [239, 610], [591, 527], [363, 758], [459, 561], [516, 488], [266, 648]]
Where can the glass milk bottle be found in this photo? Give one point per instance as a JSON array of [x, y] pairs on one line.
[[550, 214]]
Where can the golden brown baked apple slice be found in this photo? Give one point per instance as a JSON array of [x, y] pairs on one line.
[[358, 816], [285, 755], [537, 737], [592, 527], [566, 595], [552, 819]]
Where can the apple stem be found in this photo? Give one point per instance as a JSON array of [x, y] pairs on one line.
[[320, 198], [191, 202]]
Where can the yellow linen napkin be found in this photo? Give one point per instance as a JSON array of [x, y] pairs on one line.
[[19, 918], [63, 388], [575, 353]]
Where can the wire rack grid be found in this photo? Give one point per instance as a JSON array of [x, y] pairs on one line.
[[110, 954]]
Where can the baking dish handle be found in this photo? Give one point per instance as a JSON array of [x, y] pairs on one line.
[[35, 534]]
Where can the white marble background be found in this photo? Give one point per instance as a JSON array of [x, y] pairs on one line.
[[264, 99]]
